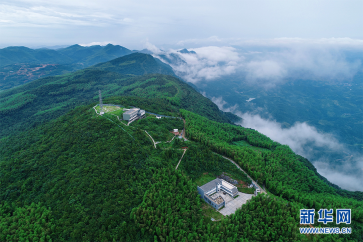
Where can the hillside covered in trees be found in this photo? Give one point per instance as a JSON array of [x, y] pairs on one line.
[[19, 64], [44, 99], [69, 174], [85, 177]]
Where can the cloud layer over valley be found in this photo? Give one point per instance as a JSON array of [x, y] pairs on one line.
[[261, 65], [310, 143]]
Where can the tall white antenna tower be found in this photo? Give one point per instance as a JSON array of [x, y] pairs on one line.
[[101, 105]]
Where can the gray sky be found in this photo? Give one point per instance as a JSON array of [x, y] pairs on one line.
[[176, 24]]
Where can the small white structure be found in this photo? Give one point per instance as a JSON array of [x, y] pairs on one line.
[[158, 117], [175, 130], [257, 191], [102, 113]]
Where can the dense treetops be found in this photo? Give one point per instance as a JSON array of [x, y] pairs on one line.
[[136, 64], [86, 169], [89, 177], [278, 168]]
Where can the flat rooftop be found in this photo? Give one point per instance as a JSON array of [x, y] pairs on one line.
[[227, 184], [131, 111]]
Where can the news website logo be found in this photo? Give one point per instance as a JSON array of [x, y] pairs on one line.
[[343, 216]]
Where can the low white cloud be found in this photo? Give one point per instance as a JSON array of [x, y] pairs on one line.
[[301, 137], [267, 67], [221, 104], [347, 176], [267, 72], [103, 43], [208, 63], [152, 48], [308, 142], [312, 63], [291, 42]]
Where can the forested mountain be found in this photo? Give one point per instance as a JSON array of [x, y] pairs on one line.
[[136, 64], [47, 98], [68, 174], [73, 54], [19, 65], [87, 177], [20, 54], [18, 74], [94, 54]]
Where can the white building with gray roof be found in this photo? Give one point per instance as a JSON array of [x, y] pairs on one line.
[[133, 114], [216, 186]]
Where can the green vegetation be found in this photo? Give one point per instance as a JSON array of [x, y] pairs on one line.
[[155, 215], [263, 217], [89, 171], [73, 54], [210, 212], [115, 110], [199, 159], [33, 222], [245, 143], [78, 176], [44, 99], [159, 129], [88, 177], [136, 64], [18, 74], [331, 107], [204, 179], [280, 169], [246, 190], [19, 65]]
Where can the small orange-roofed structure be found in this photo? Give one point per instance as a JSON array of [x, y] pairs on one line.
[[175, 132]]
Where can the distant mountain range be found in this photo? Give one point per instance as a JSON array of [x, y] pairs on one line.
[[86, 56], [136, 74], [19, 64]]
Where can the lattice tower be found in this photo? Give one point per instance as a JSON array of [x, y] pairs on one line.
[[101, 104]]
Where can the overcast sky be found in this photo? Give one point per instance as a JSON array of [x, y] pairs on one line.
[[177, 23]]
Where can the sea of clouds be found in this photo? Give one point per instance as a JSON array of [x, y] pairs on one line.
[[265, 66], [269, 66]]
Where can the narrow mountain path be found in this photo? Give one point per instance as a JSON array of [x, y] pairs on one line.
[[180, 159], [262, 190], [171, 139], [183, 132], [151, 139]]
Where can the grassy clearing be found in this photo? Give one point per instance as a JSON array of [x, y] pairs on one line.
[[109, 109], [246, 190], [210, 212], [205, 178], [118, 112]]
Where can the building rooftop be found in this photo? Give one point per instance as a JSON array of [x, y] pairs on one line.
[[210, 185], [227, 184], [130, 111]]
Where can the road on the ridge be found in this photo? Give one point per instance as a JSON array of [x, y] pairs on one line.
[[262, 190]]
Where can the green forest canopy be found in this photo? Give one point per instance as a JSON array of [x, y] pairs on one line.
[[90, 178]]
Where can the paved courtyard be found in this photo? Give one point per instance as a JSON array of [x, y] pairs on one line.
[[232, 205]]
